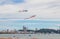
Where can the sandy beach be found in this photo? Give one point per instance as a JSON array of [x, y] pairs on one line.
[[15, 38], [5, 38]]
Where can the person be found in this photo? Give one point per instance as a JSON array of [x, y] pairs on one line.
[[14, 37]]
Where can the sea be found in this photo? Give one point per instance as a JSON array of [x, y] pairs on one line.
[[32, 36]]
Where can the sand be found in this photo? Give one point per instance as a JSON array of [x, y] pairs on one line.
[[5, 38]]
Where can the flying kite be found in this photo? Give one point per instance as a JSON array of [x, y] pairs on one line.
[[23, 11], [31, 17]]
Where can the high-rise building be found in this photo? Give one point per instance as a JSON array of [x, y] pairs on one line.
[[24, 29]]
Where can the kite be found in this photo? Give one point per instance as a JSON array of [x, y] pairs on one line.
[[23, 11], [31, 17]]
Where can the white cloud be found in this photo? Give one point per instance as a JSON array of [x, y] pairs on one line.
[[40, 8], [38, 1], [58, 25]]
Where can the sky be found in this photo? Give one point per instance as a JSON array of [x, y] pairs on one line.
[[43, 9], [12, 11]]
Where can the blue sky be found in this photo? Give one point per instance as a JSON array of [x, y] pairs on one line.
[[3, 2]]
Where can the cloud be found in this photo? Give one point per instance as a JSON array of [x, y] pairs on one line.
[[58, 25], [39, 1], [43, 9]]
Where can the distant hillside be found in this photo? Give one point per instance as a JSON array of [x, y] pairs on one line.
[[48, 31], [45, 31]]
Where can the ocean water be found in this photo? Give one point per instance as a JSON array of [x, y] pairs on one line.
[[30, 24], [31, 36]]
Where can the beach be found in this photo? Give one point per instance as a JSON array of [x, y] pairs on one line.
[[5, 38]]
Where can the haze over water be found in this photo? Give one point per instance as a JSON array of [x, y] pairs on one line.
[[30, 24]]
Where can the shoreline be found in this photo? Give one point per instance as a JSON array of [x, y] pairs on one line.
[[29, 36]]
